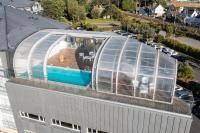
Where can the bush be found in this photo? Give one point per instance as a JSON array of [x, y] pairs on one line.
[[169, 30], [95, 13], [185, 72], [53, 8], [159, 38], [176, 45]]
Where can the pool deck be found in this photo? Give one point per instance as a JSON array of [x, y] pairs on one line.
[[69, 58], [178, 106]]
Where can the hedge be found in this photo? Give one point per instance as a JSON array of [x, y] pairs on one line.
[[181, 47]]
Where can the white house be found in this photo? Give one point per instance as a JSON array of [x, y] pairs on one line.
[[32, 6], [158, 10]]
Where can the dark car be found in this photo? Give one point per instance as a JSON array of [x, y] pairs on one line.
[[196, 110]]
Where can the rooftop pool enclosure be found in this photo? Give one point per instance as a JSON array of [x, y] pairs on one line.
[[102, 62], [62, 75]]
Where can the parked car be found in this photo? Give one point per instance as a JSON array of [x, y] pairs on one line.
[[124, 34], [181, 93], [80, 28], [159, 47], [196, 110], [116, 31], [144, 41], [165, 50], [131, 35]]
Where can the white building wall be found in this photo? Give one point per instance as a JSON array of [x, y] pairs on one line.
[[6, 116]]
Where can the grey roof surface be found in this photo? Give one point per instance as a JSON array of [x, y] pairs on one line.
[[21, 24], [19, 3], [3, 41]]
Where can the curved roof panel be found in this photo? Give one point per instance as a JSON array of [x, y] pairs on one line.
[[122, 65], [125, 66]]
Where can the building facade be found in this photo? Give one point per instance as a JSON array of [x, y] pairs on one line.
[[6, 115], [94, 82], [63, 112]]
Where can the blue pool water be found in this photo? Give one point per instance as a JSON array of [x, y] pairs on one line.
[[70, 76], [76, 77]]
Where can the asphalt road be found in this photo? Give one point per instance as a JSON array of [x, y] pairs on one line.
[[195, 127], [189, 41]]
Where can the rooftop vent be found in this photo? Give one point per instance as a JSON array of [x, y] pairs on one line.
[[33, 18]]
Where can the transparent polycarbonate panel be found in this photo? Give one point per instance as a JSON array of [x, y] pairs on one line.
[[127, 68], [126, 78], [166, 78], [108, 62], [167, 66], [99, 46], [145, 86], [164, 89], [38, 57], [125, 90], [22, 53], [145, 81], [104, 80]]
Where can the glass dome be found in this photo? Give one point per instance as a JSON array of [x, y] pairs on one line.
[[125, 66], [109, 63]]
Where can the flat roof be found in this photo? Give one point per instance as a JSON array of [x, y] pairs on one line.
[[178, 106]]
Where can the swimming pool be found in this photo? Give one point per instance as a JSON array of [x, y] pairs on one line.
[[70, 76], [62, 75]]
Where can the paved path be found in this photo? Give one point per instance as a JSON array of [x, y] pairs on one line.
[[189, 41]]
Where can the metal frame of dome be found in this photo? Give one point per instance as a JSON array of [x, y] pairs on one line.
[[132, 65], [136, 62], [39, 45]]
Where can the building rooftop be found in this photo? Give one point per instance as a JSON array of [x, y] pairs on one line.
[[109, 63], [178, 106]]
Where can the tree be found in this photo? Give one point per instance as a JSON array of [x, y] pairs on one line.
[[95, 13], [159, 38], [53, 8], [169, 30], [129, 5], [75, 12], [185, 72], [125, 23]]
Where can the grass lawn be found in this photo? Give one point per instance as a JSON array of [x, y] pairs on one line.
[[100, 21]]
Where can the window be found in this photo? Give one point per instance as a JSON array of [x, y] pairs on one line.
[[28, 131], [89, 130], [66, 125], [32, 116]]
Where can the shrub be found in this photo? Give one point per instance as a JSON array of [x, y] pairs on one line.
[[159, 38], [95, 13], [185, 72], [176, 45]]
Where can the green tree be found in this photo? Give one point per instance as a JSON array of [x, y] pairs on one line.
[[159, 38], [129, 5], [169, 30], [95, 13], [125, 23], [75, 12], [53, 8], [185, 72]]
